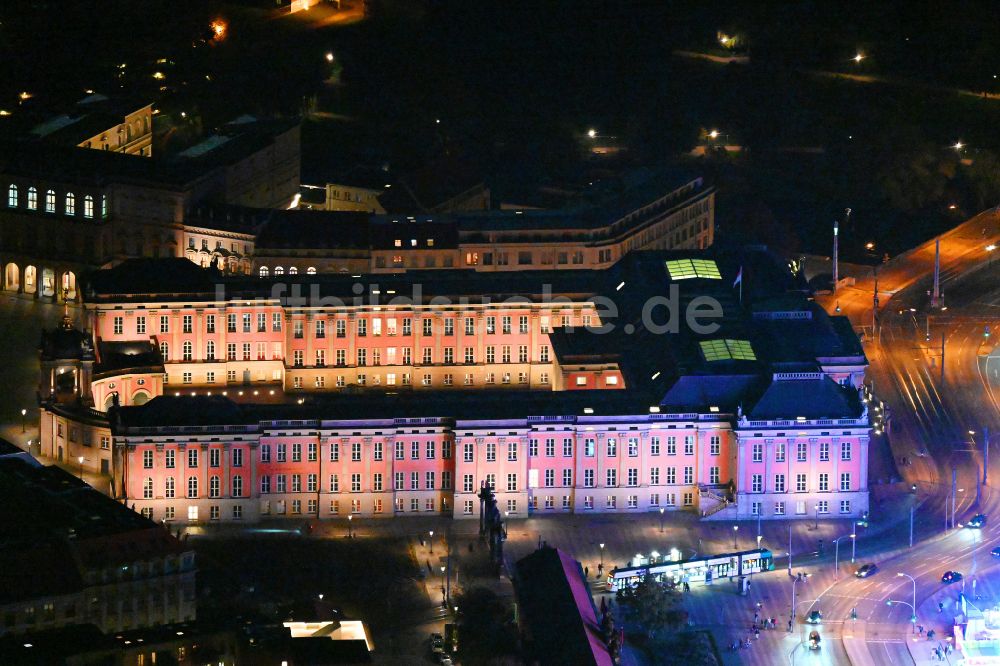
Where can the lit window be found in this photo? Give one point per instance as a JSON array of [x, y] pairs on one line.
[[32, 199], [70, 203], [12, 196], [50, 201], [726, 350], [88, 206], [683, 269]]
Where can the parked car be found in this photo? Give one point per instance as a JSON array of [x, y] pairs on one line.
[[437, 643], [814, 640], [951, 577], [866, 570], [995, 552], [977, 521], [815, 617], [444, 660]]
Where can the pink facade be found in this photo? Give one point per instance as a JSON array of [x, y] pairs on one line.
[[553, 464], [227, 344]]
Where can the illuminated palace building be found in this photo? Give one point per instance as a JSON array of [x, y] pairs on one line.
[[329, 395]]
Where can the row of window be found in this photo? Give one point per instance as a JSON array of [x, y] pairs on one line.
[[264, 271], [392, 355], [404, 379], [214, 487], [631, 445], [281, 484], [610, 502], [309, 452], [49, 201], [801, 482], [247, 323], [801, 452], [399, 451], [214, 458], [429, 504], [821, 507]]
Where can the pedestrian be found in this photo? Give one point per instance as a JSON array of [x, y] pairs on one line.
[[586, 572], [755, 617], [756, 632], [789, 625]]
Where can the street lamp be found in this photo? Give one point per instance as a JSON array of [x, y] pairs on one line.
[[836, 553], [736, 529], [661, 521], [444, 600], [430, 540], [854, 542], [913, 618], [329, 57], [592, 133], [602, 555], [24, 413], [80, 460], [350, 530], [791, 612], [858, 58]]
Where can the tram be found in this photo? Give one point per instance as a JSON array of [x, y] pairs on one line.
[[696, 570]]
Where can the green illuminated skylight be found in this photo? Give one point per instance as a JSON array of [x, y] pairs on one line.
[[727, 350], [683, 269]]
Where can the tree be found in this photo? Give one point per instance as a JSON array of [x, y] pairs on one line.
[[981, 180], [653, 604], [917, 178], [486, 630]]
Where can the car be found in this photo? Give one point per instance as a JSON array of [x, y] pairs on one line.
[[437, 644], [977, 521], [951, 577], [815, 617], [866, 570], [995, 552], [814, 640], [444, 660]]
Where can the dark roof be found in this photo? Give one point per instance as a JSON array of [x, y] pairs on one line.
[[228, 217], [55, 520], [431, 186], [819, 398], [516, 404], [557, 612], [133, 355], [173, 275], [49, 162], [364, 177], [66, 342], [699, 393], [385, 231], [313, 229], [84, 127], [8, 448]]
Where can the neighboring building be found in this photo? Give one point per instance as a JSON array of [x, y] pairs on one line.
[[649, 212], [354, 395], [180, 644], [557, 618], [65, 211], [358, 189], [445, 185], [84, 558], [101, 123]]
